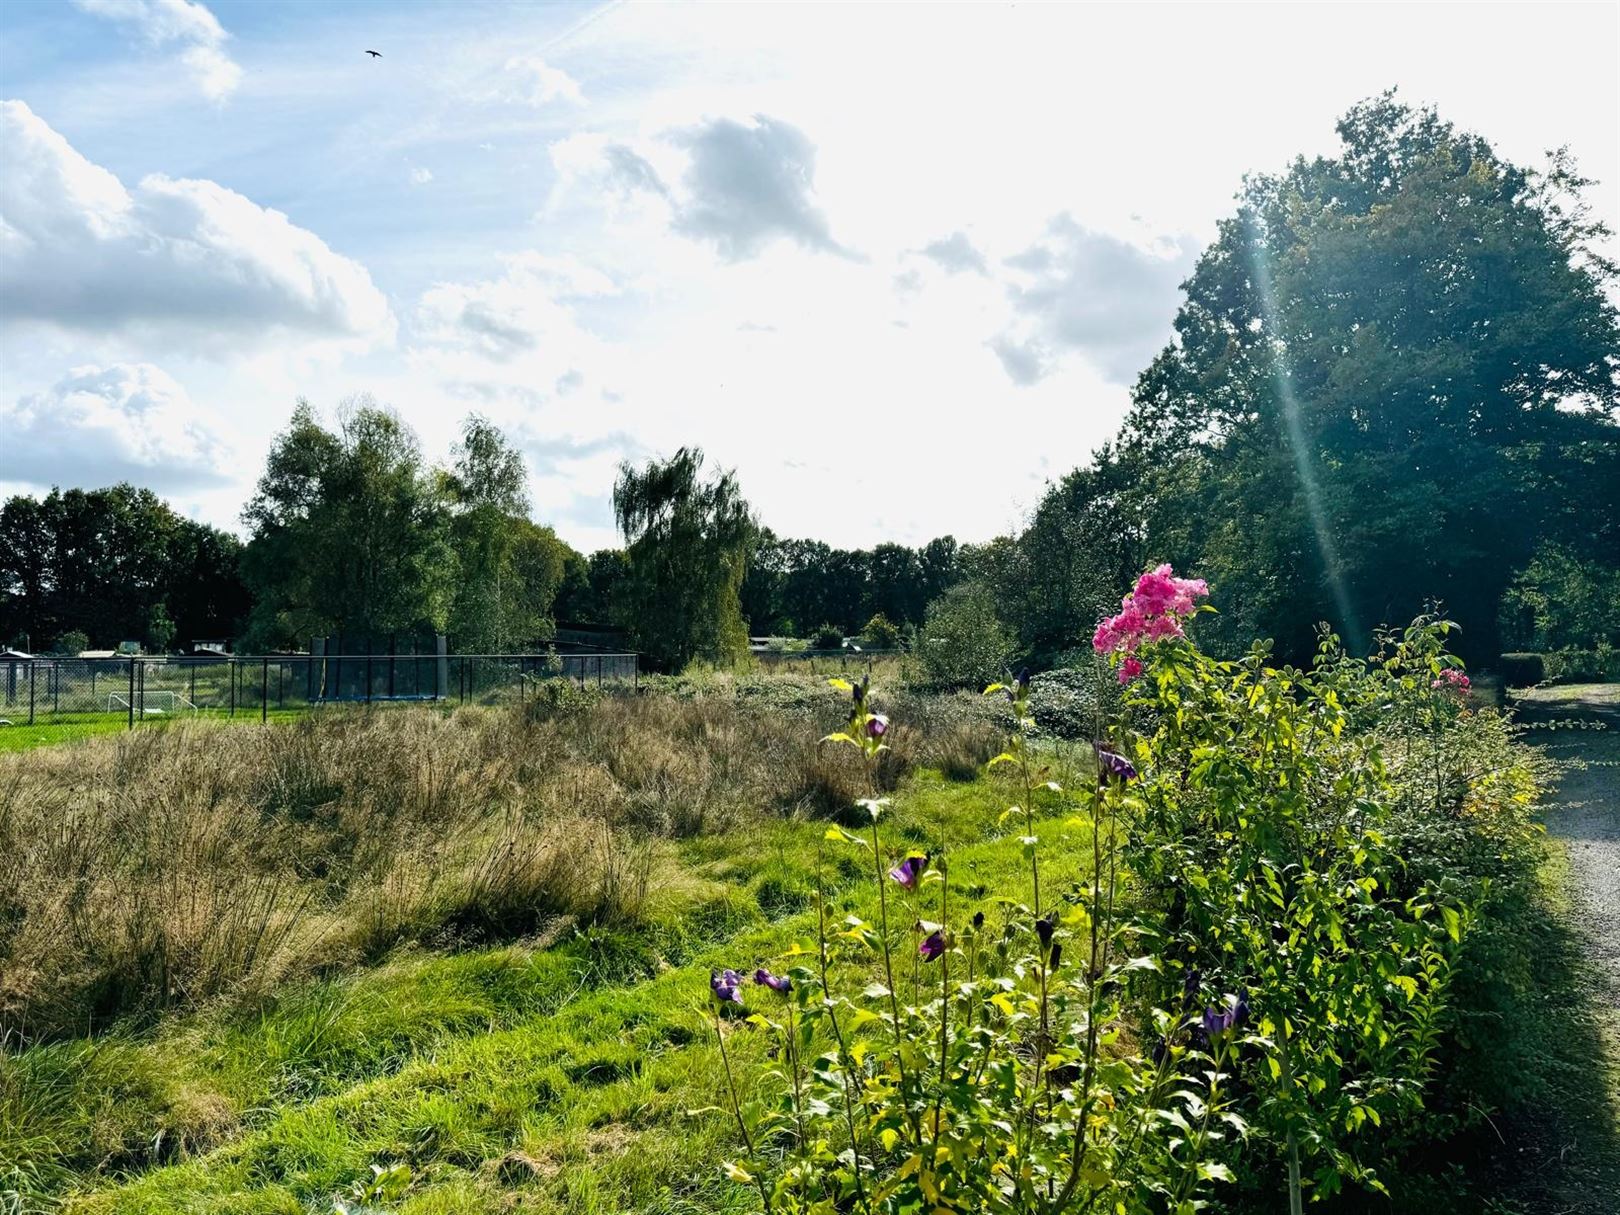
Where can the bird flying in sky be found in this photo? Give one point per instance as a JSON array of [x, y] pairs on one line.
[[375, 54]]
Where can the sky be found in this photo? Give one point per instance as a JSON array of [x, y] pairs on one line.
[[897, 265]]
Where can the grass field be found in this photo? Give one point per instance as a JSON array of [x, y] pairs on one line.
[[552, 1074], [427, 961]]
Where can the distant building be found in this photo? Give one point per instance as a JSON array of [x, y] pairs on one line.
[[98, 654], [211, 649]]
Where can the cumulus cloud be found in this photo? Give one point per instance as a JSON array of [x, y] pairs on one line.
[[186, 23], [542, 83], [505, 317], [1089, 292], [171, 256], [748, 185], [420, 176], [100, 425], [956, 253]]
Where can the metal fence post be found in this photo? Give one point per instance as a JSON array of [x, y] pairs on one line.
[[264, 691], [132, 693], [31, 664], [231, 666], [369, 684]]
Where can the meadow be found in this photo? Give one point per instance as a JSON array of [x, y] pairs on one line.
[[428, 960]]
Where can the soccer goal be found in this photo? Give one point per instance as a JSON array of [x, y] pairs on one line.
[[155, 703]]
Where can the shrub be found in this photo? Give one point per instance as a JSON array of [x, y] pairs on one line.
[[963, 643], [881, 633], [1273, 1005], [827, 638], [1561, 666]]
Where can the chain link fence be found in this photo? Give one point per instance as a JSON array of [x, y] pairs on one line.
[[44, 691]]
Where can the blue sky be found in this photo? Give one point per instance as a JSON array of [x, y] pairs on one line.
[[896, 264]]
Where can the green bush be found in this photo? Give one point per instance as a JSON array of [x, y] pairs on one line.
[[963, 642], [1310, 852], [1561, 666]]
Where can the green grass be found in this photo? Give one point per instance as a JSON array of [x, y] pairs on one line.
[[72, 727], [555, 1076]]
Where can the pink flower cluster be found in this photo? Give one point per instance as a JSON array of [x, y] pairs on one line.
[[1452, 680], [1151, 612]]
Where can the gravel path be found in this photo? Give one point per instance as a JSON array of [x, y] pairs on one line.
[[1585, 813]]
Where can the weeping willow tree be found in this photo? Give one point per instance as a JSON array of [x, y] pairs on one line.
[[687, 539]]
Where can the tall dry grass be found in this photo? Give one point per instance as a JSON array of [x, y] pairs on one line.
[[168, 867]]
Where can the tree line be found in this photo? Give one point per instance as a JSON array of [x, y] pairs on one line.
[[1395, 379]]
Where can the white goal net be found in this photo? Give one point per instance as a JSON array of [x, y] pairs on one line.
[[150, 704]]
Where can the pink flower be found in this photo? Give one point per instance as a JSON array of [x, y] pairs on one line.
[[1155, 591], [1161, 628], [1452, 680], [1153, 611]]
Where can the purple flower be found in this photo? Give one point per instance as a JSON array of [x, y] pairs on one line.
[[877, 725], [1114, 764], [1219, 1019], [933, 945], [978, 920], [1190, 985], [1023, 681], [724, 984], [1057, 955], [775, 982], [1043, 929], [909, 870]]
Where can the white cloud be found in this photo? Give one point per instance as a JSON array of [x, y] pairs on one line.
[[1076, 289], [749, 185], [543, 83], [955, 253], [161, 22], [180, 258], [505, 317], [421, 176], [100, 425]]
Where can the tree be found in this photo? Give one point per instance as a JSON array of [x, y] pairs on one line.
[[963, 643], [509, 568], [350, 532], [159, 629], [1394, 379], [96, 562], [72, 643], [687, 541]]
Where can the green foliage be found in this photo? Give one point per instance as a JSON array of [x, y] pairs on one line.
[[350, 532], [1562, 602], [881, 633], [826, 637], [1393, 382], [687, 541], [1561, 666], [159, 630], [72, 643], [1068, 702], [963, 643], [1312, 849], [96, 563], [807, 580]]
